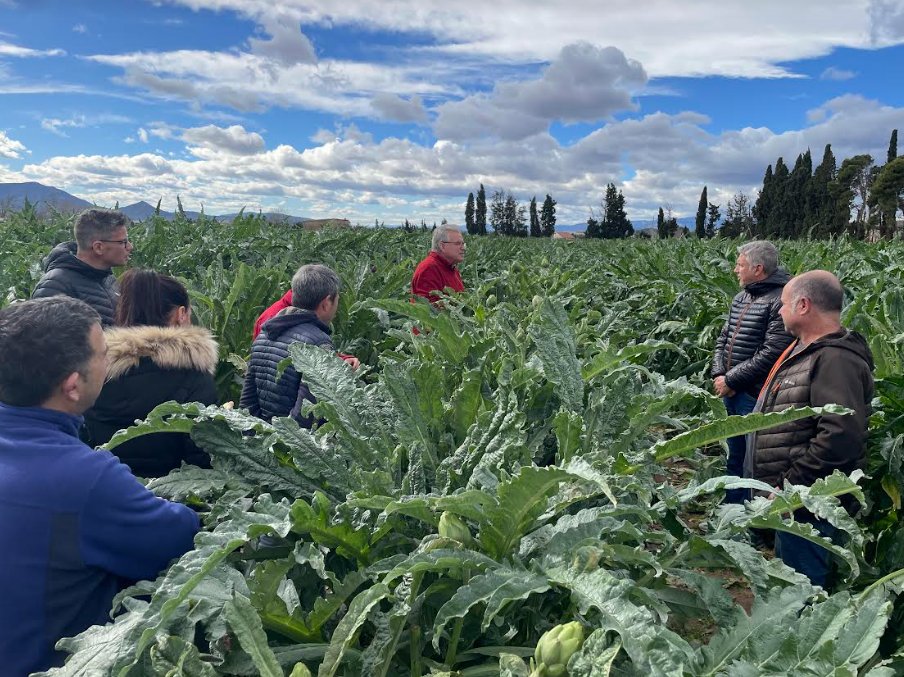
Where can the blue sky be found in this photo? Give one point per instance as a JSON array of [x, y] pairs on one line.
[[398, 109]]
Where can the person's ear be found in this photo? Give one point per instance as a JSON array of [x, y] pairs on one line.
[[71, 387]]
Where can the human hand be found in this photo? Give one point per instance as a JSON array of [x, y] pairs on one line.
[[721, 387], [352, 361]]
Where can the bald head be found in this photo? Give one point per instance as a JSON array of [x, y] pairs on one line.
[[822, 289]]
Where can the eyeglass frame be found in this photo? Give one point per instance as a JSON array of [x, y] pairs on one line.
[[124, 242], [457, 244]]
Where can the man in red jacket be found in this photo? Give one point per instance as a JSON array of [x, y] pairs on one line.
[[439, 271]]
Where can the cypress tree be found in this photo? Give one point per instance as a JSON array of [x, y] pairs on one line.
[[700, 224], [480, 217], [497, 213], [778, 219], [660, 225], [820, 204], [713, 216], [535, 229], [765, 201], [548, 216], [892, 146], [470, 226]]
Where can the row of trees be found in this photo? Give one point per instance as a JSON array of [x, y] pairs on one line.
[[507, 217], [860, 197]]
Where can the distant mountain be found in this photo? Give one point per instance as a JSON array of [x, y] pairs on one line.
[[14, 195]]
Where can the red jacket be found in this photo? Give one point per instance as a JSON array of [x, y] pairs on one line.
[[434, 274], [272, 311]]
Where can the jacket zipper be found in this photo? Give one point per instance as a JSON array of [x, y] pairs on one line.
[[734, 334]]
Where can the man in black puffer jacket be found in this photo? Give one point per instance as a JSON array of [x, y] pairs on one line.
[[315, 299], [750, 342], [83, 269], [827, 364]]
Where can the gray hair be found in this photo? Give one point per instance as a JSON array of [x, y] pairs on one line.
[[43, 341], [760, 253], [441, 234], [311, 284], [97, 224], [821, 287]]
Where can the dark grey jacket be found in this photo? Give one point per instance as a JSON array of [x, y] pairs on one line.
[[262, 394], [66, 275], [836, 368], [753, 336]]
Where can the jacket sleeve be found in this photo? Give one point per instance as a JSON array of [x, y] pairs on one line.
[[205, 392], [50, 285], [248, 399], [426, 282], [128, 531], [838, 377], [718, 366], [743, 375]]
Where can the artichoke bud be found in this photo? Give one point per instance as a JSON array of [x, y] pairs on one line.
[[556, 646], [452, 527], [300, 670]]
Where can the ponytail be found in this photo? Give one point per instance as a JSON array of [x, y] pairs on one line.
[[148, 297]]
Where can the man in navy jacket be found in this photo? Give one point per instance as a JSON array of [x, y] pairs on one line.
[[75, 523]]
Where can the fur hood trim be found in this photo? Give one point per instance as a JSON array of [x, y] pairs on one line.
[[168, 347]]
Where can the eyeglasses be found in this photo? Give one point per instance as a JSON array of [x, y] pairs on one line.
[[460, 243], [123, 242]]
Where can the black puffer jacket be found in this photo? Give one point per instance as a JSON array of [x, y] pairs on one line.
[[836, 368], [147, 366], [66, 275], [753, 336], [262, 394]]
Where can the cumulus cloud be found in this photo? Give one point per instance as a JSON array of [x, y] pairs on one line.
[[585, 83], [233, 140], [9, 49], [10, 148], [695, 37], [886, 22], [832, 73], [287, 44], [395, 108]]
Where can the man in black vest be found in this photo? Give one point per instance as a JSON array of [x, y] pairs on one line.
[[751, 340], [83, 269], [825, 364]]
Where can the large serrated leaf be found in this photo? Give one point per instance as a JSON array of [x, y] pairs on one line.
[[554, 340], [495, 589], [348, 627], [246, 624]]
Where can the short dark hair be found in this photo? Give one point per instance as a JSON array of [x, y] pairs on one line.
[[313, 283], [147, 297], [42, 341], [97, 224]]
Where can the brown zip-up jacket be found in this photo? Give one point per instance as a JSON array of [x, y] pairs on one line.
[[836, 368]]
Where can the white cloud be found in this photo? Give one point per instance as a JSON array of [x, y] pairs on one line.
[[57, 125], [832, 73], [585, 83], [10, 148], [80, 28], [233, 140], [9, 49], [695, 37], [395, 108], [287, 44], [142, 135]]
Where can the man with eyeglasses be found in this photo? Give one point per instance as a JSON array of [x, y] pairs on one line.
[[83, 269], [439, 271]]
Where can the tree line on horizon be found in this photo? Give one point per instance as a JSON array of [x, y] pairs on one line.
[[860, 198]]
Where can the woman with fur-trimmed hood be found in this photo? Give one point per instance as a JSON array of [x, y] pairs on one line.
[[154, 355]]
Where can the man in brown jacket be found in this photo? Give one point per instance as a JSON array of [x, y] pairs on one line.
[[825, 364]]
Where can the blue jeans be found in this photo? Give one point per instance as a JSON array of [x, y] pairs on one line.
[[737, 404], [808, 558]]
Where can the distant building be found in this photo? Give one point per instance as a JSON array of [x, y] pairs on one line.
[[563, 236]]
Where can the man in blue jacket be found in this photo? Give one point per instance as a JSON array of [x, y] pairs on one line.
[[75, 524], [315, 299]]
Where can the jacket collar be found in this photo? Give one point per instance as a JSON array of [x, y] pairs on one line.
[[292, 317], [436, 256], [167, 347], [39, 416]]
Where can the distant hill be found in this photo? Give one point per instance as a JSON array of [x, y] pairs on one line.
[[44, 198], [14, 195]]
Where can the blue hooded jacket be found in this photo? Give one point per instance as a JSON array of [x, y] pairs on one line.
[[76, 526]]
